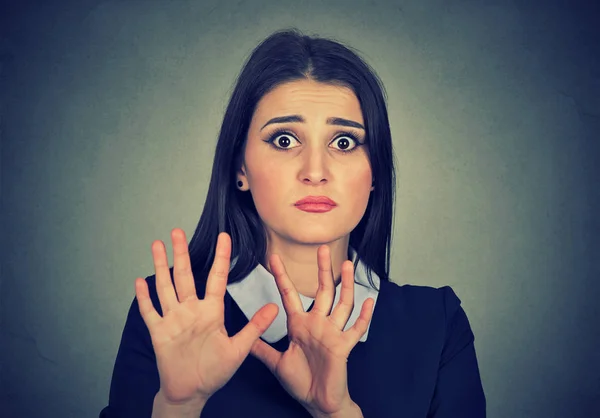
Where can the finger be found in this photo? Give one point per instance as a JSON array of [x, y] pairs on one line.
[[341, 312], [261, 320], [362, 323], [216, 283], [149, 314], [182, 270], [164, 285], [289, 295], [325, 293]]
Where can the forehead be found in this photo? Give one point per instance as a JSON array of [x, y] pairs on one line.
[[309, 97]]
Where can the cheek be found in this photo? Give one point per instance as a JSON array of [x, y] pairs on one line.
[[359, 182], [267, 188], [357, 199]]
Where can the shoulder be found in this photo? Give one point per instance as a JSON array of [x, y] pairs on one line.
[[436, 306], [415, 296]]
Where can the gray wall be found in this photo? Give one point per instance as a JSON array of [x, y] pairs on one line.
[[110, 115]]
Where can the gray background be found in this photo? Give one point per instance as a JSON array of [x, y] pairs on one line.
[[110, 114]]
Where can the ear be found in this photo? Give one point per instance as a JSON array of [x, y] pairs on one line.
[[241, 176]]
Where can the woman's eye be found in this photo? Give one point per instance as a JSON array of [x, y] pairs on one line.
[[345, 143], [283, 141]]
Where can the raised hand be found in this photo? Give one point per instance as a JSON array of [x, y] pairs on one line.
[[313, 370], [194, 354]]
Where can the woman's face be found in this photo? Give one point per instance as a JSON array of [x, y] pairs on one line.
[[317, 156]]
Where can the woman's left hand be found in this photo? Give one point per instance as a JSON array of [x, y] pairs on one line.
[[313, 370]]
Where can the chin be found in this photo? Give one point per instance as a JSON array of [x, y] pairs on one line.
[[316, 235]]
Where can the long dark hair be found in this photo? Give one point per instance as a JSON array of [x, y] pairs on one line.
[[284, 56]]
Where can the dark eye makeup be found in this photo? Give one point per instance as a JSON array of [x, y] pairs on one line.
[[340, 134]]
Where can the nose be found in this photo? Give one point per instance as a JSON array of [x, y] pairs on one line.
[[315, 166]]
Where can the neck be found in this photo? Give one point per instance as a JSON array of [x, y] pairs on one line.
[[300, 261]]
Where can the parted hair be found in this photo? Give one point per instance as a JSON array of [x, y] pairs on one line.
[[285, 56]]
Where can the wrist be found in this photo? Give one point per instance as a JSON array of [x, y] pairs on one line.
[[163, 408], [350, 410]]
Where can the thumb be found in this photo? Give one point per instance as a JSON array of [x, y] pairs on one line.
[[267, 354], [262, 319]]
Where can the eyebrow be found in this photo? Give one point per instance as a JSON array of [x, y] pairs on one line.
[[330, 121]]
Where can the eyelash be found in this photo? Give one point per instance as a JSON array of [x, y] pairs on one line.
[[338, 134]]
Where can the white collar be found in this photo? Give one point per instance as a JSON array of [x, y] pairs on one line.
[[259, 288]]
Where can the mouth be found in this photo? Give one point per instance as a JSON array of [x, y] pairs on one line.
[[324, 200], [315, 207], [315, 204]]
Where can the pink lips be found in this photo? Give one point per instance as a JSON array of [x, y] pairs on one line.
[[316, 204]]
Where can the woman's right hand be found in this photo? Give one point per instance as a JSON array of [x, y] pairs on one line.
[[194, 354]]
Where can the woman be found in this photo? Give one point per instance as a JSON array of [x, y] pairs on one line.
[[292, 328]]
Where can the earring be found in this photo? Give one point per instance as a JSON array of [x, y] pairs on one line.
[[240, 183]]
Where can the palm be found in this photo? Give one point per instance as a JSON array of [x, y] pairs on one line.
[[313, 369], [308, 371], [194, 354], [193, 350]]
